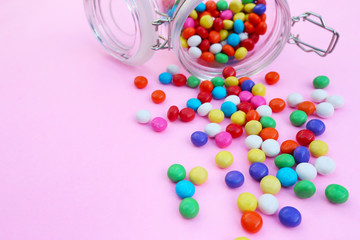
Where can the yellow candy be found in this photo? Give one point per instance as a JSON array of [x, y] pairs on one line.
[[240, 53], [235, 6], [193, 14], [247, 202], [249, 7], [231, 81], [253, 127], [256, 155], [238, 117], [183, 42], [228, 24], [247, 17], [318, 148], [224, 159], [240, 16], [198, 175], [216, 116], [270, 184], [223, 34], [259, 89], [241, 238], [206, 21]]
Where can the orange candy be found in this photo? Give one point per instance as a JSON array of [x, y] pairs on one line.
[[243, 79], [254, 19], [214, 37], [210, 6], [251, 221], [188, 32], [307, 106], [272, 77], [249, 28], [206, 86], [207, 56], [158, 96], [288, 146], [269, 133], [228, 50], [277, 105], [252, 115], [140, 82]]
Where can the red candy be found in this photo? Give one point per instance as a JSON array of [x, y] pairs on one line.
[[204, 97], [214, 37], [261, 2], [233, 90], [140, 82], [251, 221], [272, 78], [202, 32], [228, 72], [179, 80], [210, 6], [245, 107], [288, 146], [187, 114], [254, 37], [305, 137], [235, 130], [254, 19], [204, 45], [215, 13], [218, 24], [249, 28], [206, 86], [248, 44], [173, 113], [261, 28]]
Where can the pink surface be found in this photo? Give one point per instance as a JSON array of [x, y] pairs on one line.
[[74, 164]]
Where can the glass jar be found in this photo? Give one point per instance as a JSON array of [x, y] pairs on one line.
[[132, 36]]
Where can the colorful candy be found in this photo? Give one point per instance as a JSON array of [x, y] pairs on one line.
[[251, 221], [288, 146], [189, 208], [287, 176], [277, 105], [173, 69], [290, 216], [336, 100], [298, 118], [212, 129], [198, 175], [270, 147], [204, 109], [258, 171], [179, 80], [239, 118], [143, 116], [187, 114], [173, 113], [284, 160], [223, 139], [165, 78], [176, 173], [325, 110], [294, 99], [158, 96], [268, 204], [305, 137], [306, 171], [307, 107], [246, 202], [228, 108], [184, 189], [235, 130], [140, 82], [325, 165], [253, 127], [264, 110], [304, 189], [267, 122], [272, 77], [270, 184], [336, 193], [256, 155], [318, 148], [253, 141], [316, 126], [232, 98], [193, 82], [224, 159], [321, 82], [234, 179], [301, 154], [158, 124], [199, 138], [319, 95], [216, 116]]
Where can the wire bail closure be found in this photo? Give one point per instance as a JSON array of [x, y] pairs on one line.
[[308, 47]]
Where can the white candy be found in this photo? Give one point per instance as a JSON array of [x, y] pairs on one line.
[[318, 95], [270, 147], [143, 116], [264, 110], [195, 52], [294, 99], [194, 41], [325, 110], [336, 100], [223, 43], [173, 69], [215, 48], [212, 129], [204, 109], [253, 141], [243, 36], [233, 98], [306, 171], [325, 165], [268, 204]]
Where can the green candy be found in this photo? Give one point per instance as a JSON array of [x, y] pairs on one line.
[[217, 82], [336, 193], [222, 5], [221, 58], [247, 1], [304, 189], [298, 118], [284, 160], [189, 208], [267, 122], [193, 82], [176, 173], [321, 82]]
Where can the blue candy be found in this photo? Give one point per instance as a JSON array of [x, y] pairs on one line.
[[239, 26], [165, 78], [287, 176], [247, 85], [290, 216], [219, 92], [316, 126], [193, 103], [234, 179], [301, 154], [228, 108], [201, 7], [258, 170], [185, 189], [233, 40], [259, 9], [199, 138]]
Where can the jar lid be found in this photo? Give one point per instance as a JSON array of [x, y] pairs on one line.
[[124, 28]]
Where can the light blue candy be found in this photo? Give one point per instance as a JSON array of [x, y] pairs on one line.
[[165, 78], [228, 108], [233, 40], [201, 7], [193, 103], [219, 92], [185, 189], [239, 26], [287, 176]]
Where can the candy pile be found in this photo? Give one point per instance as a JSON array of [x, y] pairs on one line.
[[247, 110], [221, 31]]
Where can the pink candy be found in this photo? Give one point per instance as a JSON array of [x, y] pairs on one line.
[[245, 96], [159, 124], [226, 15], [257, 101], [189, 22], [223, 139]]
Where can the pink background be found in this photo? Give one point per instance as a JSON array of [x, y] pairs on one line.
[[74, 164]]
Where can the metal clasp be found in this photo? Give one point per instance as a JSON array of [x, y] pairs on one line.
[[308, 47], [162, 42]]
